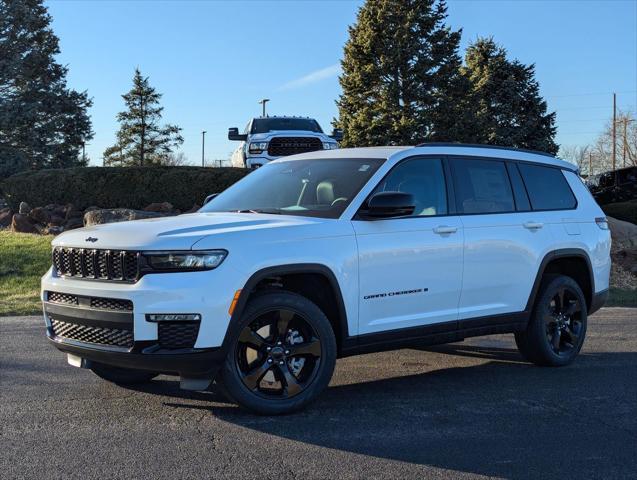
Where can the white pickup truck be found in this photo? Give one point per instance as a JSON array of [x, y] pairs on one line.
[[268, 138]]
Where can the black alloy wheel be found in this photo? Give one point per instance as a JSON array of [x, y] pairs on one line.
[[563, 321]]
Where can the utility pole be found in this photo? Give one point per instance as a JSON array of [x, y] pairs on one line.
[[614, 154], [203, 146], [263, 102]]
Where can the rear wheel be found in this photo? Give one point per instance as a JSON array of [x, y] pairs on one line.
[[283, 355], [557, 328], [122, 376]]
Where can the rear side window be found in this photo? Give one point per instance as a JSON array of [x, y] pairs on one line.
[[482, 186], [547, 188]]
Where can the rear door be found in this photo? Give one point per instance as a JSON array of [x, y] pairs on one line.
[[410, 268], [504, 240]]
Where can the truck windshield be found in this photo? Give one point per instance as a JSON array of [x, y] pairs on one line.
[[315, 188], [264, 125]]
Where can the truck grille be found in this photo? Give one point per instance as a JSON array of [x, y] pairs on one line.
[[283, 146], [173, 335], [89, 334], [116, 265]]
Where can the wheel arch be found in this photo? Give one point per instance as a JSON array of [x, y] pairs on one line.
[[290, 275], [573, 262]]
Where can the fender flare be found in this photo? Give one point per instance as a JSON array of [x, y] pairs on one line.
[[280, 270], [554, 255]]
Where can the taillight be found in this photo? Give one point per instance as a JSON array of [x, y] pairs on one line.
[[602, 222]]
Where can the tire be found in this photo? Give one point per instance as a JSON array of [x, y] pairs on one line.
[[122, 376], [278, 331], [557, 328]]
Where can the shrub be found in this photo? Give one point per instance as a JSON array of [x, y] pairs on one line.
[[626, 211], [118, 187]]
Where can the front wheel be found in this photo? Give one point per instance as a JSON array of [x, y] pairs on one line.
[[122, 376], [282, 356], [557, 328]]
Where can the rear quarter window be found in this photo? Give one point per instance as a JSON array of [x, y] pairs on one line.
[[547, 188]]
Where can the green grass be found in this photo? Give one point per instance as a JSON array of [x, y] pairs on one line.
[[619, 297], [24, 258]]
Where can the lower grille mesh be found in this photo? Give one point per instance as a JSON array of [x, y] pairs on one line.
[[97, 335], [175, 335]]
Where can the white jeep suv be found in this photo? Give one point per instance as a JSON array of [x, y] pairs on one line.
[[268, 138], [330, 254]]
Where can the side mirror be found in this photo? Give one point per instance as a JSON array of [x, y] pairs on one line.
[[389, 204], [209, 198], [233, 134], [337, 134]]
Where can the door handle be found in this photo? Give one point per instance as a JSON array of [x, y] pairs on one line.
[[442, 229], [533, 225]]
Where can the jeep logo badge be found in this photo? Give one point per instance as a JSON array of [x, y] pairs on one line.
[[91, 239]]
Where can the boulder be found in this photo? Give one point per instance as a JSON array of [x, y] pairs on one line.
[[624, 234], [21, 223], [97, 217], [74, 222], [40, 215], [5, 217], [56, 221], [24, 208], [53, 230], [194, 208], [164, 207]]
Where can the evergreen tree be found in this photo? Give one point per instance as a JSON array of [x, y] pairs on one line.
[[43, 123], [506, 106], [401, 82], [141, 140]]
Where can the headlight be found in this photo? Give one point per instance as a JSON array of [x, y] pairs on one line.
[[183, 261], [330, 146], [258, 147]]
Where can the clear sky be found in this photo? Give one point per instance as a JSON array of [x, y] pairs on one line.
[[213, 60]]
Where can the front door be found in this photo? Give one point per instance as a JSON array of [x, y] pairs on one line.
[[410, 269]]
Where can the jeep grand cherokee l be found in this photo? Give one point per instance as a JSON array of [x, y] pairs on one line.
[[329, 254]]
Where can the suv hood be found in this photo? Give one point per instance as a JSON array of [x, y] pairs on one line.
[[173, 233]]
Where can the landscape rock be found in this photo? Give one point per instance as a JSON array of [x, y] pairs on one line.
[[624, 234], [163, 207], [24, 208], [40, 215], [97, 217], [53, 230], [21, 223], [194, 208], [75, 222], [56, 221], [5, 217]]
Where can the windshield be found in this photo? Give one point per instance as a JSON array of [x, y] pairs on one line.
[[315, 188], [264, 125]]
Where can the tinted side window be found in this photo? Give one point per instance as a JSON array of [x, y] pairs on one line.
[[424, 179], [547, 187], [482, 186], [519, 192]]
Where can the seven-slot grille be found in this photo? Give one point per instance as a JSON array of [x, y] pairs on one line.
[[118, 265], [173, 335], [90, 334], [283, 146]]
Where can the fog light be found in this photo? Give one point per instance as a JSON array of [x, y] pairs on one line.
[[173, 317]]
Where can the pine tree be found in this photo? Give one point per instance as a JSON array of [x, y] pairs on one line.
[[506, 106], [43, 123], [141, 140], [401, 82]]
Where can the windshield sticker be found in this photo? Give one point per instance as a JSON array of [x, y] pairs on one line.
[[363, 168]]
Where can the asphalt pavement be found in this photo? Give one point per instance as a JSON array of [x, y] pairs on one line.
[[466, 410]]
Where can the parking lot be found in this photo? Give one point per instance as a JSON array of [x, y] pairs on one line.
[[457, 411]]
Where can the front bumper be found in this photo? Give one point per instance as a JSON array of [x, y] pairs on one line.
[[118, 349]]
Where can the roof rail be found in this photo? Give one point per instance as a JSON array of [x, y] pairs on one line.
[[481, 145]]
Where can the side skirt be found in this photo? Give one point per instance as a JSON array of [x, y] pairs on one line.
[[435, 334]]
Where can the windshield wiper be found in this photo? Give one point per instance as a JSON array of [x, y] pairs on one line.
[[274, 211]]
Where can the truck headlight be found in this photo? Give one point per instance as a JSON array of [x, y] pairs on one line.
[[183, 261], [258, 147], [330, 146]]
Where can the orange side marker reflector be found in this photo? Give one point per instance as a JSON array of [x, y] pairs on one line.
[[235, 299]]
